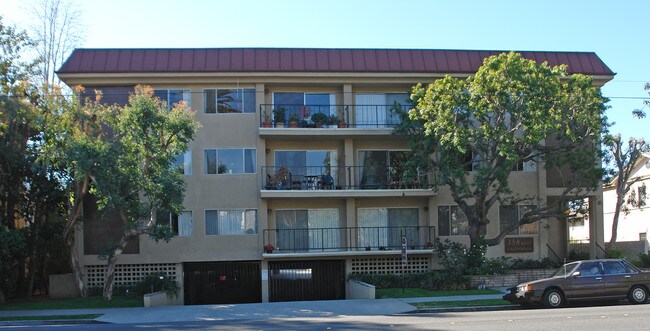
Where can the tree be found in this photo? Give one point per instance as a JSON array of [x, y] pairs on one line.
[[57, 32], [30, 194], [512, 111], [623, 161], [123, 157]]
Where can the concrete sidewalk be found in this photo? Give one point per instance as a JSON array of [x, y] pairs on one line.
[[293, 309]]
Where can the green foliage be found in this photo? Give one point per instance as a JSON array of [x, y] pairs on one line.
[[498, 118], [319, 118], [614, 253], [166, 284], [544, 263], [642, 261], [12, 249], [452, 256], [432, 280]]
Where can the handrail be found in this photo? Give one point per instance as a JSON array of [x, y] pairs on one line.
[[552, 251]]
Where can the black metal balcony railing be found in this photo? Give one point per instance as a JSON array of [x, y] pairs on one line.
[[337, 178], [349, 239], [351, 116]]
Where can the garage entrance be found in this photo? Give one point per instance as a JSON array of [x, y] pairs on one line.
[[222, 282], [306, 280]]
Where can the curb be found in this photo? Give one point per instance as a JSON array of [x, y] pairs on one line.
[[49, 322], [464, 309]]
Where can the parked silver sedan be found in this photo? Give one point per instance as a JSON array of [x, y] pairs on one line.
[[610, 279]]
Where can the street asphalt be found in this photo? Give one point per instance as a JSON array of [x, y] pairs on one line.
[[222, 312]]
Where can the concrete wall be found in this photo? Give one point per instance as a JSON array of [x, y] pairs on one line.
[[62, 287], [360, 290], [510, 279], [161, 299]]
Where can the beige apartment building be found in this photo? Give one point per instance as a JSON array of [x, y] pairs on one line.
[[283, 208]]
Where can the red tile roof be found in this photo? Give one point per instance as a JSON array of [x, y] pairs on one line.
[[307, 60]]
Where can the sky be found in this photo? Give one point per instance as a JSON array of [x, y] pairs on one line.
[[615, 30]]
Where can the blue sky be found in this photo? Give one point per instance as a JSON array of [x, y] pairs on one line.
[[615, 30]]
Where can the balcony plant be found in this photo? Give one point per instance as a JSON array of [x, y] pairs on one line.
[[319, 119], [293, 120], [332, 121], [280, 177], [266, 123], [268, 248], [279, 116]]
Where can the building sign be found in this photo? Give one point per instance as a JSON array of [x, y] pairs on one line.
[[519, 245]]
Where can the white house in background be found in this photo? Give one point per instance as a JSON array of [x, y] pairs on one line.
[[634, 224]]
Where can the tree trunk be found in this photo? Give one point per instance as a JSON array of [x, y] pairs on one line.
[[110, 267], [29, 288], [617, 214], [76, 269], [2, 297]]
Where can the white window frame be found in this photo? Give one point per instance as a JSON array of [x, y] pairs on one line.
[[187, 95], [218, 232], [520, 212], [243, 155]]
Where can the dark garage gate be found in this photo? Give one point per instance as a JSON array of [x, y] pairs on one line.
[[222, 282], [306, 280]]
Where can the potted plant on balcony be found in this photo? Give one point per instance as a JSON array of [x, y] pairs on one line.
[[341, 116], [332, 121], [293, 120], [268, 248], [319, 119], [266, 123], [279, 116], [280, 177], [428, 245]]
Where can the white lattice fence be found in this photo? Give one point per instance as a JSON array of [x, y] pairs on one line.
[[128, 274], [390, 265]]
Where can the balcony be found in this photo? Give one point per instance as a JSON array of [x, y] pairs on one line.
[[349, 240], [342, 182], [329, 120]]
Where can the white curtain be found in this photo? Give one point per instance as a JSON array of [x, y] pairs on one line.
[[231, 222], [370, 110], [376, 221], [185, 223], [324, 232]]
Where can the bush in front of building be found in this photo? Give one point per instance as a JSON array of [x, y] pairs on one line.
[[432, 280], [642, 261]]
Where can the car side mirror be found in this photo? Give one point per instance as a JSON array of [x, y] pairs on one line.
[[575, 274]]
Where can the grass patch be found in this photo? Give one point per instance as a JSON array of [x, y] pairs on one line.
[[74, 303], [386, 293], [461, 303], [51, 317]]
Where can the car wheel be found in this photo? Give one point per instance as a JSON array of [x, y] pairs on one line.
[[553, 298], [638, 294]]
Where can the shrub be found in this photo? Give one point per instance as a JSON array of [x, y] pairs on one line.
[[432, 280], [614, 253], [642, 261], [496, 266], [545, 263], [154, 281]]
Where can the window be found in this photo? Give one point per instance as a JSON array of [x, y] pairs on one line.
[[643, 236], [230, 222], [589, 269], [452, 221], [385, 226], [305, 104], [376, 110], [183, 163], [172, 97], [230, 161], [510, 215], [614, 268], [180, 224], [308, 229], [308, 163], [378, 169], [229, 101]]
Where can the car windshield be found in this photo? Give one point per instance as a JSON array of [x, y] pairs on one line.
[[565, 269]]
